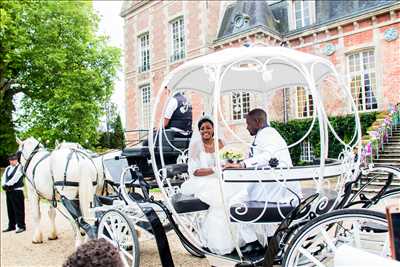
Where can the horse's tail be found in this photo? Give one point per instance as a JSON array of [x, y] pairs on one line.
[[86, 193]]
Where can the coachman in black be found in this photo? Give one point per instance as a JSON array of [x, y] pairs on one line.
[[12, 182]]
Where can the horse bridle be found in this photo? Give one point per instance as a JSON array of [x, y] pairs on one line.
[[27, 160]]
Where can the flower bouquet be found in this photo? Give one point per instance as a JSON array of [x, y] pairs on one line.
[[231, 156]]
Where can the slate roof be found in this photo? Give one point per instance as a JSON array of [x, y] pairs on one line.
[[243, 16]]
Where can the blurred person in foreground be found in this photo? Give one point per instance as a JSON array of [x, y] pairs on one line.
[[95, 253]]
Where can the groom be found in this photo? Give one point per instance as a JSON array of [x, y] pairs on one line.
[[268, 144]]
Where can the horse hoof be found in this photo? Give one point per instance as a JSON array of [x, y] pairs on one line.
[[37, 242], [53, 238]]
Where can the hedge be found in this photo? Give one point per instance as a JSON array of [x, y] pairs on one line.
[[344, 126]]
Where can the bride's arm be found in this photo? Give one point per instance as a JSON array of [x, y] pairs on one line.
[[203, 172]]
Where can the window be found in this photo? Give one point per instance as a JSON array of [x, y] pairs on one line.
[[307, 153], [305, 104], [144, 53], [302, 13], [361, 66], [145, 105], [178, 39], [240, 105]]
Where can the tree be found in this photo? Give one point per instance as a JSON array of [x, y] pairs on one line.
[[50, 53], [114, 136], [118, 140]]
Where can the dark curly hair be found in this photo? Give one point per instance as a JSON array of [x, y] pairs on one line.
[[95, 253], [203, 120]]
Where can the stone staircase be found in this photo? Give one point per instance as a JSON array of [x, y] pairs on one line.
[[389, 156]]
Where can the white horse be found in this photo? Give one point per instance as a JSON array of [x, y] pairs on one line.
[[43, 169]]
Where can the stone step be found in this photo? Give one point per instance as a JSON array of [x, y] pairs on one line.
[[382, 177], [380, 164], [390, 143], [389, 156], [389, 149], [378, 185], [383, 160], [371, 189]]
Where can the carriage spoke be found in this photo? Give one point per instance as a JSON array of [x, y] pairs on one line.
[[110, 232], [310, 257], [108, 239], [125, 262], [126, 253], [114, 228], [356, 231], [328, 240], [125, 231]]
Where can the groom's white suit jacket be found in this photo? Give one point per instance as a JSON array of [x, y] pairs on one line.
[[267, 144]]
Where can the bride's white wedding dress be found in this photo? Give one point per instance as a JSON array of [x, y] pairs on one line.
[[214, 233]]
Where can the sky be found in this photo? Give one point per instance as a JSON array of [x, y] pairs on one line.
[[111, 24]]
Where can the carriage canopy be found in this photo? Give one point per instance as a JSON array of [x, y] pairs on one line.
[[252, 68]]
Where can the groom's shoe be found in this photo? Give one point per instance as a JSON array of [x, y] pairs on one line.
[[252, 247], [9, 229]]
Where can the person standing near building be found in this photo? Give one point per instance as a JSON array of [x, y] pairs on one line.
[[178, 115], [12, 182]]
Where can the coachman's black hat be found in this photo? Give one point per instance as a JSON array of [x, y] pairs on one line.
[[13, 157]]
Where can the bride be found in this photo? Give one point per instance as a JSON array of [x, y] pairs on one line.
[[203, 184]]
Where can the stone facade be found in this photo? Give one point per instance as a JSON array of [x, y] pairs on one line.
[[334, 39]]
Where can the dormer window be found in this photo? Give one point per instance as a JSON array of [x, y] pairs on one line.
[[303, 13], [241, 20]]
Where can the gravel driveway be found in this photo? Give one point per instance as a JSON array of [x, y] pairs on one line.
[[18, 250]]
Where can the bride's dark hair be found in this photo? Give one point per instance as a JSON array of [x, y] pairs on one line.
[[203, 120]]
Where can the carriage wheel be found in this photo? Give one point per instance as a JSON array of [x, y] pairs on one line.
[[386, 199], [116, 228], [316, 242]]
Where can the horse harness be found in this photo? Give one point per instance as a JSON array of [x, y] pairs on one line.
[[75, 152], [57, 183]]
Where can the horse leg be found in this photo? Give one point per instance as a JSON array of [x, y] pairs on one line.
[[53, 230], [37, 233]]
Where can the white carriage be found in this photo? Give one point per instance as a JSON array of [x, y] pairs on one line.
[[306, 230]]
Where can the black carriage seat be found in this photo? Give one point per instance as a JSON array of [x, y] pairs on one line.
[[187, 203], [142, 150], [140, 155], [274, 211], [105, 200]]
